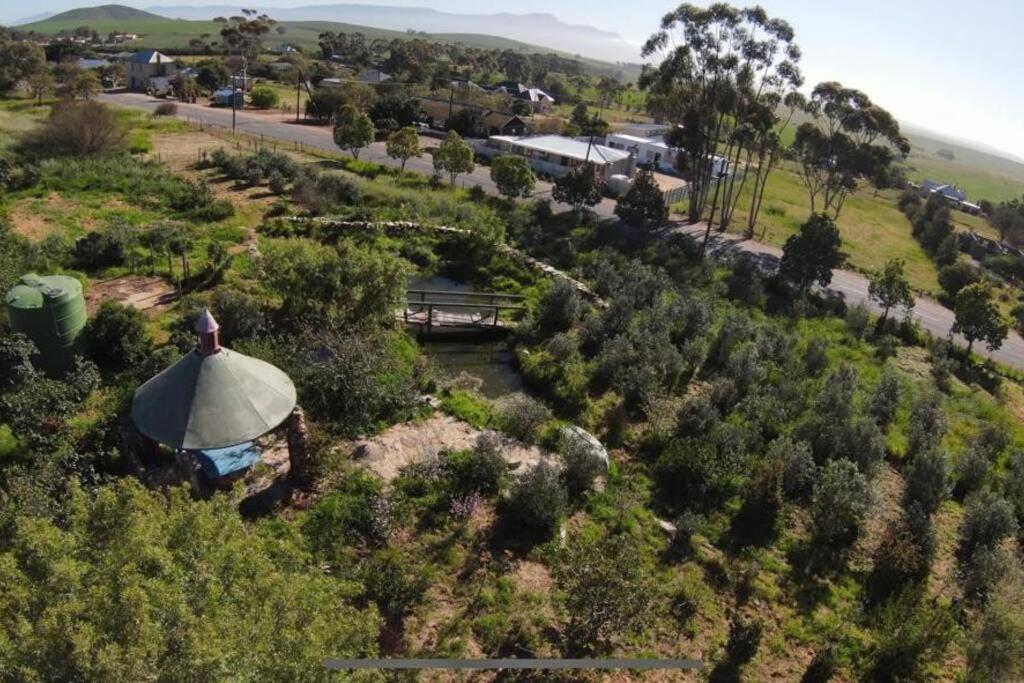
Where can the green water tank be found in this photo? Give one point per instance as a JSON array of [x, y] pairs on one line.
[[49, 310]]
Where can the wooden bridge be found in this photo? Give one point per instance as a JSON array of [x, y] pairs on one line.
[[437, 310]]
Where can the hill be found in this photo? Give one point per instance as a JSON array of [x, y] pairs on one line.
[[103, 13], [160, 32], [982, 173], [539, 29]]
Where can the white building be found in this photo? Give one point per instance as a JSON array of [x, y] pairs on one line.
[[651, 152], [556, 155]]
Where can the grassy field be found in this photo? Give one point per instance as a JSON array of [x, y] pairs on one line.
[[873, 229]]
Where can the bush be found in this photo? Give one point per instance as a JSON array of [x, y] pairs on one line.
[[840, 503], [983, 570], [264, 98], [927, 424], [798, 469], [886, 399], [744, 639], [116, 338], [78, 129], [277, 183], [858, 319], [321, 193], [913, 631], [903, 556], [98, 250], [345, 517], [481, 470], [523, 418], [394, 584], [166, 109], [816, 357], [988, 519], [927, 482], [581, 466], [536, 501], [559, 310], [608, 592], [972, 471], [954, 277]]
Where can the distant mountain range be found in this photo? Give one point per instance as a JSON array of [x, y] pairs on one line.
[[537, 29]]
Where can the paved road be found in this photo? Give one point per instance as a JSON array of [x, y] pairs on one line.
[[850, 286], [274, 126]]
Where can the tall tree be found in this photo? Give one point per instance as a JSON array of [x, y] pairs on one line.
[[353, 130], [453, 156], [513, 175], [19, 60], [978, 317], [404, 144], [809, 256], [644, 204], [890, 288], [723, 75], [849, 138], [578, 188]]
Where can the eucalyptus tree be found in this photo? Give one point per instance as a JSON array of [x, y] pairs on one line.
[[849, 137], [724, 74]]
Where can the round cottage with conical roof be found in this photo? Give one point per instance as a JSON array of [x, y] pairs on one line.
[[213, 397]]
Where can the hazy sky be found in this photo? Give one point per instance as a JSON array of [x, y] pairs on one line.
[[957, 68]]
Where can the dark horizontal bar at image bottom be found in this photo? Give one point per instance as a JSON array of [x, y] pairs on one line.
[[514, 663]]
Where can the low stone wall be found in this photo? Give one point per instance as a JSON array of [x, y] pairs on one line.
[[520, 256]]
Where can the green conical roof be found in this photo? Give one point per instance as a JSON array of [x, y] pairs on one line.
[[212, 401]]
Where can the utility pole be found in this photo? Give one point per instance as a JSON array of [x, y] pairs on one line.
[[298, 93]]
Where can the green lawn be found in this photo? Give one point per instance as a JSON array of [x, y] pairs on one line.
[[873, 229]]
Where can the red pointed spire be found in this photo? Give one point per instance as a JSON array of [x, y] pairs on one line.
[[209, 337]]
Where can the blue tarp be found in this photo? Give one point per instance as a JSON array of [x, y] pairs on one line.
[[220, 462]]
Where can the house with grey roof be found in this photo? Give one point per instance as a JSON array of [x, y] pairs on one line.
[[555, 155], [144, 66]]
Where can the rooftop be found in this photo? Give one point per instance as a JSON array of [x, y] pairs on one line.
[[567, 147], [150, 57], [637, 140]]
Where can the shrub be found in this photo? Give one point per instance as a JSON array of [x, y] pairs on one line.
[[886, 398], [98, 250], [972, 471], [345, 516], [744, 282], [697, 416], [483, 469], [954, 277], [608, 592], [995, 647], [116, 338], [840, 503], [559, 309], [903, 555], [321, 193], [76, 128], [166, 109], [858, 319], [523, 417], [798, 469], [983, 570], [277, 183], [581, 466], [927, 424], [927, 482], [537, 500], [744, 639], [816, 357], [912, 632], [394, 584], [988, 519], [264, 98]]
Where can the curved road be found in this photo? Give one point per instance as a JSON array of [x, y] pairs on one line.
[[852, 287]]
